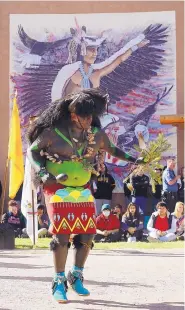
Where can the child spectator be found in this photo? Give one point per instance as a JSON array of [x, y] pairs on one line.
[[103, 193], [43, 221], [132, 223], [108, 226], [117, 210], [178, 214], [161, 225], [14, 217]]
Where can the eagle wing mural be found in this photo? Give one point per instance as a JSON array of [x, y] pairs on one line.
[[35, 83], [142, 65], [36, 47]]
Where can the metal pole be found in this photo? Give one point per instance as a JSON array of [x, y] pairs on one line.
[[4, 189], [33, 212]]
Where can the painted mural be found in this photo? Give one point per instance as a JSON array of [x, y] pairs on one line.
[[54, 55]]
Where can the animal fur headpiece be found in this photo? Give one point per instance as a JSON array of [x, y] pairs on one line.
[[81, 40]]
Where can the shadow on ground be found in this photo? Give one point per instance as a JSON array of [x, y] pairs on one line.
[[88, 282], [115, 304], [134, 253], [21, 266], [12, 256]]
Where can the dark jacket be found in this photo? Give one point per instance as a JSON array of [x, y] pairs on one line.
[[140, 185], [181, 190], [105, 186], [16, 221], [135, 221], [158, 191]]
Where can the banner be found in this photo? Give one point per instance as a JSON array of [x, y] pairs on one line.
[[29, 204], [15, 152]]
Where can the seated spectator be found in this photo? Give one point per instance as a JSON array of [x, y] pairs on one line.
[[43, 223], [181, 186], [132, 223], [161, 225], [117, 210], [103, 193], [108, 226], [178, 214], [14, 217]]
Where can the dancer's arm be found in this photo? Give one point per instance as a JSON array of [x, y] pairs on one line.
[[38, 162], [34, 151], [113, 150]]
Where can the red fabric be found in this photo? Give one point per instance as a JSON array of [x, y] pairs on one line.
[[51, 189], [109, 223], [161, 223], [72, 218]]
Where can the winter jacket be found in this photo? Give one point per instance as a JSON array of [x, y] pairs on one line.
[[16, 221], [135, 221], [140, 185], [152, 221], [105, 186]]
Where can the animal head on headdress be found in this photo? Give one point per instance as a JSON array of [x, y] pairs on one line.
[[80, 41], [88, 101]]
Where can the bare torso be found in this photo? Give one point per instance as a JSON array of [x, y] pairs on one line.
[[74, 83], [57, 145]]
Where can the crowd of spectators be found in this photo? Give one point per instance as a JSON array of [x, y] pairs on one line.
[[152, 217], [16, 220]]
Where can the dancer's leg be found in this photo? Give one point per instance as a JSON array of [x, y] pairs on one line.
[[82, 244], [59, 245]]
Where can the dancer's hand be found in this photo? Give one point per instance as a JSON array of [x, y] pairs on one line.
[[140, 161], [48, 179]]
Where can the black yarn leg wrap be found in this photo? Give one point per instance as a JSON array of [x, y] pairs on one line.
[[72, 279], [77, 243], [55, 243], [54, 284]]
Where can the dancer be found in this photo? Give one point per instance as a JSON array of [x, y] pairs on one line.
[[66, 145]]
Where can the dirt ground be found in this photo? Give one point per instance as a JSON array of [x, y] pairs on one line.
[[117, 279]]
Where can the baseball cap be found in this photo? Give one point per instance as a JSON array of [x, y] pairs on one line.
[[105, 206]]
